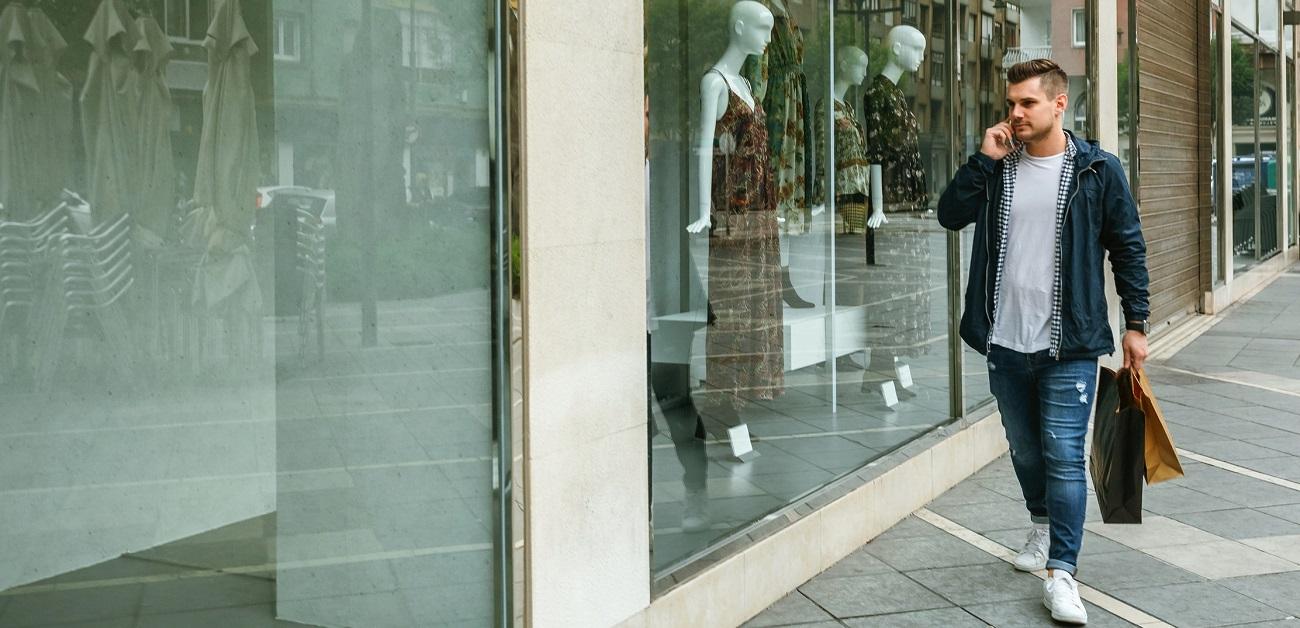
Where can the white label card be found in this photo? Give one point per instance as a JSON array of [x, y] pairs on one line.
[[890, 394], [740, 443], [904, 372]]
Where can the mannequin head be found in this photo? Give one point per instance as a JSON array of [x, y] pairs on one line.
[[906, 47], [750, 26], [851, 65]]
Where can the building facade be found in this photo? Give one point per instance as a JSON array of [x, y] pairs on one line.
[[433, 312]]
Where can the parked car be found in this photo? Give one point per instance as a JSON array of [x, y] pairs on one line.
[[292, 197]]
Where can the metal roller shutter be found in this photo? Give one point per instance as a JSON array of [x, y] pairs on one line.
[[1174, 151]]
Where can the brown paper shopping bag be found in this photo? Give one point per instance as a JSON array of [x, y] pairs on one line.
[[1161, 458]]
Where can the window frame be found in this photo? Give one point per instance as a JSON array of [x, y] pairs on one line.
[[188, 37], [1079, 28], [278, 37]]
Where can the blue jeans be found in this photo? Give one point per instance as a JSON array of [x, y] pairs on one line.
[[1045, 405]]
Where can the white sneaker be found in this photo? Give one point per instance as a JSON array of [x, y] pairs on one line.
[[1034, 555], [1061, 597]]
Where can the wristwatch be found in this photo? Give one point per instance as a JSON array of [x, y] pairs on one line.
[[1142, 326]]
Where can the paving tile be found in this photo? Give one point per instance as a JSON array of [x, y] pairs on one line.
[[1290, 445], [1287, 468], [972, 493], [1286, 547], [929, 553], [862, 563], [1153, 532], [81, 605], [1281, 591], [1032, 614], [791, 609], [871, 595], [1092, 543], [203, 593], [1232, 450], [1198, 604], [262, 616], [1290, 512], [987, 517], [947, 617], [1129, 569], [1222, 559], [910, 527], [1240, 523], [1169, 499], [980, 583]]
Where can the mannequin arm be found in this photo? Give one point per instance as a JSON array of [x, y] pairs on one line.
[[877, 217], [711, 87]]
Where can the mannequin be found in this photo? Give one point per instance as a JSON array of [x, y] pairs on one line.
[[852, 179], [906, 52], [744, 339], [901, 304], [851, 168], [749, 33]]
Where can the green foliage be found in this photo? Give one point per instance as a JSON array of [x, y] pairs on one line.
[[1244, 106]]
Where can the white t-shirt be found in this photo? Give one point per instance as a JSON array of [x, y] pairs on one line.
[[1023, 319]]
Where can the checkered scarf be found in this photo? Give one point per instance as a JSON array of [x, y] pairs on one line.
[[1010, 167]]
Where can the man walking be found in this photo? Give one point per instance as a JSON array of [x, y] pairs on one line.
[[1046, 207]]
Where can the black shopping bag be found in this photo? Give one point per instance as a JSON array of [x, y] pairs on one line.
[[1118, 457]]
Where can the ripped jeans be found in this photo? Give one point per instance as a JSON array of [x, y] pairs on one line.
[[1045, 405]]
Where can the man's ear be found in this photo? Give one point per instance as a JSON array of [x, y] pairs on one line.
[[1062, 102]]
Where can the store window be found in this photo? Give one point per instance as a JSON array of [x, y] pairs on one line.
[[227, 400], [982, 92], [797, 308]]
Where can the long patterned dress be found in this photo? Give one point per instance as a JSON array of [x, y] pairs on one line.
[[781, 85], [898, 288], [744, 345]]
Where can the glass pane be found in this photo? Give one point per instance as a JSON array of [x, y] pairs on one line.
[[246, 370], [1029, 35], [1245, 13], [1268, 23], [783, 311], [1245, 167], [1125, 101]]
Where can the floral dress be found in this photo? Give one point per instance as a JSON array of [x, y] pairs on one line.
[[892, 142], [744, 344]]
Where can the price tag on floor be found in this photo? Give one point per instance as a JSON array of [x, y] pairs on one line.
[[890, 393], [741, 447], [904, 372]]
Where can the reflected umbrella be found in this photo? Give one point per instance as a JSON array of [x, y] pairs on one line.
[[157, 173], [108, 121], [20, 102], [225, 183], [53, 154]]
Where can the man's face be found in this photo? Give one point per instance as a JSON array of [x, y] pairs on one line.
[[1031, 111]]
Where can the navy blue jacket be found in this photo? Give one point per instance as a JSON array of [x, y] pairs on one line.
[[1101, 216]]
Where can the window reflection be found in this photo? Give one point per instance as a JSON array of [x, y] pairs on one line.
[[244, 312]]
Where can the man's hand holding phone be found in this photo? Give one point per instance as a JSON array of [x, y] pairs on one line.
[[999, 140]]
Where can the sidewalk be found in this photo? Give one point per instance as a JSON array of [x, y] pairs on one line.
[[1219, 547]]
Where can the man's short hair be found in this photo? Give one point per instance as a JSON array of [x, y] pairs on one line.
[[1051, 77]]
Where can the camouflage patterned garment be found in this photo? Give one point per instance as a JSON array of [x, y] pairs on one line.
[[892, 142], [780, 84], [744, 346]]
